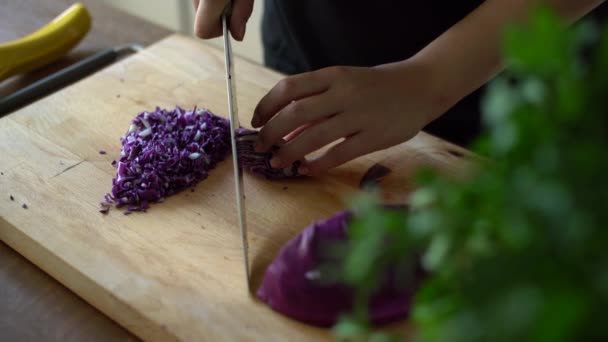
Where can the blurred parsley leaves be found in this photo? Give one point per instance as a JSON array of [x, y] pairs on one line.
[[518, 250]]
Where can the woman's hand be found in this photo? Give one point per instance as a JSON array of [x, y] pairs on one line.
[[371, 108], [208, 21], [375, 108]]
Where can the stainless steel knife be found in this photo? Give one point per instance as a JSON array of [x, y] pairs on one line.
[[234, 126]]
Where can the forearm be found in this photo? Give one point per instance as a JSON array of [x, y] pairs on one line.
[[469, 54]]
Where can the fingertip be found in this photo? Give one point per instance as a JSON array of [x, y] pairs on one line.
[[238, 33], [242, 31], [258, 147], [304, 170], [261, 144], [204, 32], [275, 162], [255, 121], [241, 12], [259, 116]]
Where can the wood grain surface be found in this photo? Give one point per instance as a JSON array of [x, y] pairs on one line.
[[174, 272], [33, 305]]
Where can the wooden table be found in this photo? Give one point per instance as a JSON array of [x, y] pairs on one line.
[[33, 306]]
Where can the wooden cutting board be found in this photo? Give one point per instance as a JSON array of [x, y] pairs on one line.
[[175, 272]]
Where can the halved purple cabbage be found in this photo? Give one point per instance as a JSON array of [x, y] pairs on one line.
[[259, 163], [166, 151], [289, 286]]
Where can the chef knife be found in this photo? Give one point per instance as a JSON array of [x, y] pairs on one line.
[[234, 126]]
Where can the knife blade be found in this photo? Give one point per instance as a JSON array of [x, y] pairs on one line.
[[234, 126]]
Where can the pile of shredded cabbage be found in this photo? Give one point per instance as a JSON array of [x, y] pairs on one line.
[[166, 151]]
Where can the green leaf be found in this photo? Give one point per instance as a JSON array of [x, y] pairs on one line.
[[541, 46], [562, 314], [422, 198], [437, 251], [534, 90], [517, 250], [350, 328], [384, 337], [498, 103]]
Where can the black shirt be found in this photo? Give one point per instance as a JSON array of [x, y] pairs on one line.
[[305, 35]]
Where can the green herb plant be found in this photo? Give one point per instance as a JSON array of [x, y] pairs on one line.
[[518, 250]]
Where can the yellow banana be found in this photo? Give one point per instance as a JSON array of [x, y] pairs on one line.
[[45, 45]]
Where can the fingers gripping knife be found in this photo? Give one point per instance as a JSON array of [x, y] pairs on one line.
[[234, 126]]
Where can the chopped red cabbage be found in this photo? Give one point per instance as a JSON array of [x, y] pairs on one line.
[[166, 151], [290, 286], [259, 163]]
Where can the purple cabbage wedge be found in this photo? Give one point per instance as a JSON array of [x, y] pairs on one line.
[[259, 163], [166, 151], [290, 285]]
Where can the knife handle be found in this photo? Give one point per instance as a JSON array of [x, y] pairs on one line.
[[57, 80]]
